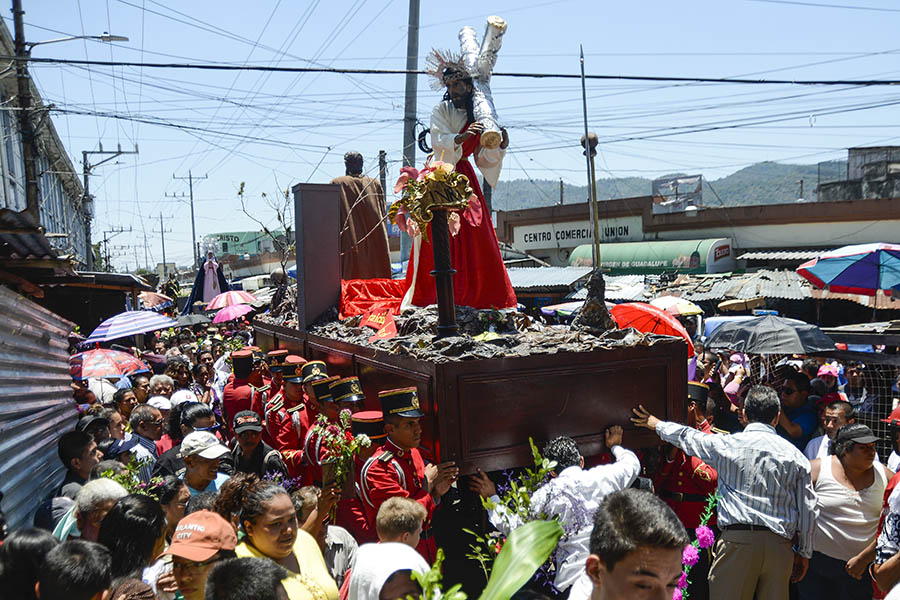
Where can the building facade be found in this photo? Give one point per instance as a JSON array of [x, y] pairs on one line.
[[63, 213]]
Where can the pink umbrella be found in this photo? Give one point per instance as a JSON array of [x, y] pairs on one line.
[[230, 313], [230, 299]]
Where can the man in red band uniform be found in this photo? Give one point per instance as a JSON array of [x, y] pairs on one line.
[[237, 393], [260, 381], [275, 359], [312, 447], [313, 371], [397, 469], [279, 431], [289, 430], [274, 397], [684, 483], [351, 514], [341, 394]]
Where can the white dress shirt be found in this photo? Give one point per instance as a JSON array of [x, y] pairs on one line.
[[574, 497], [763, 479]]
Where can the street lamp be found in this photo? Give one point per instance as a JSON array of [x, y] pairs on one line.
[[106, 37]]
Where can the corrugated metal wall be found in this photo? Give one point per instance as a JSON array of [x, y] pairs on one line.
[[36, 404]]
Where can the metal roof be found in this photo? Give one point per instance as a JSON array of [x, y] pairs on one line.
[[526, 279], [618, 287], [21, 238], [798, 255], [124, 280], [786, 285]]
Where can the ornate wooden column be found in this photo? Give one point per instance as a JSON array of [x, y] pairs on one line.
[[443, 275]]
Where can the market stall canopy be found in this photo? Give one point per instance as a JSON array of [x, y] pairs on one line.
[[861, 269], [649, 319], [684, 256], [770, 335]]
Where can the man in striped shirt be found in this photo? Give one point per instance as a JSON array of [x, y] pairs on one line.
[[767, 500]]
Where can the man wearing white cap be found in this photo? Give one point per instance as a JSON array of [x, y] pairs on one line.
[[201, 451]]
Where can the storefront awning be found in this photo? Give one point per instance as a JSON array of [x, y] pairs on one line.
[[683, 256]]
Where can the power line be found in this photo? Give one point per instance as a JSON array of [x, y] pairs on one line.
[[659, 78]]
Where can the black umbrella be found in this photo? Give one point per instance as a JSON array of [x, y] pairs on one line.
[[770, 335], [192, 319]]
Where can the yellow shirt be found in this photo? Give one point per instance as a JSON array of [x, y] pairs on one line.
[[314, 582]]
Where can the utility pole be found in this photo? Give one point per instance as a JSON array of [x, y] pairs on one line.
[[146, 255], [560, 190], [162, 233], [488, 195], [106, 237], [87, 201], [409, 111], [382, 170], [190, 179], [26, 129]]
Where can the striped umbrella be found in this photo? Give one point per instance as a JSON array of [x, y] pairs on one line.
[[230, 313], [649, 319], [861, 269], [230, 299], [104, 363], [131, 322]]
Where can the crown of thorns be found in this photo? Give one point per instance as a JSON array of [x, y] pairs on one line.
[[445, 67]]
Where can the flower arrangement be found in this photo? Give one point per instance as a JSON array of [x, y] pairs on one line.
[[705, 538], [290, 484], [340, 444], [436, 187], [132, 482], [515, 496]]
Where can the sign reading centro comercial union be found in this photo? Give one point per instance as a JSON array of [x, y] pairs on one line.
[[574, 233]]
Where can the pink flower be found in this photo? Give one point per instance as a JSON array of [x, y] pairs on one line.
[[690, 555], [406, 173], [676, 595], [683, 581], [705, 536], [333, 430]]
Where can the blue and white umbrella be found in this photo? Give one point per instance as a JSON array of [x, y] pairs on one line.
[[131, 322]]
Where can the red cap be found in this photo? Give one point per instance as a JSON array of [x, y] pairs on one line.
[[200, 535], [280, 353], [893, 417], [244, 353], [293, 359]]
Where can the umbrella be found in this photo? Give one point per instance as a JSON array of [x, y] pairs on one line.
[[230, 299], [153, 299], [131, 322], [676, 306], [770, 335], [649, 319], [104, 363], [192, 319], [862, 269], [230, 313]]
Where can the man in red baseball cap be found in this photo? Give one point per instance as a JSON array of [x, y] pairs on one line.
[[201, 539]]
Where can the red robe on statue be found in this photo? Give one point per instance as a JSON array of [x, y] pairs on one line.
[[481, 280]]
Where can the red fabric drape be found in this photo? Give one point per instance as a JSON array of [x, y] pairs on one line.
[[481, 280]]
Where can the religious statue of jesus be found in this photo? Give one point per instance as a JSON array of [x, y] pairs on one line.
[[481, 280]]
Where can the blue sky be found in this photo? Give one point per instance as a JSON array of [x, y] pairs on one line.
[[272, 130]]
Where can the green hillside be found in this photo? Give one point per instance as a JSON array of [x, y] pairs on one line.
[[762, 183]]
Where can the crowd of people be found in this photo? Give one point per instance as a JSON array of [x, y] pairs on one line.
[[207, 477]]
